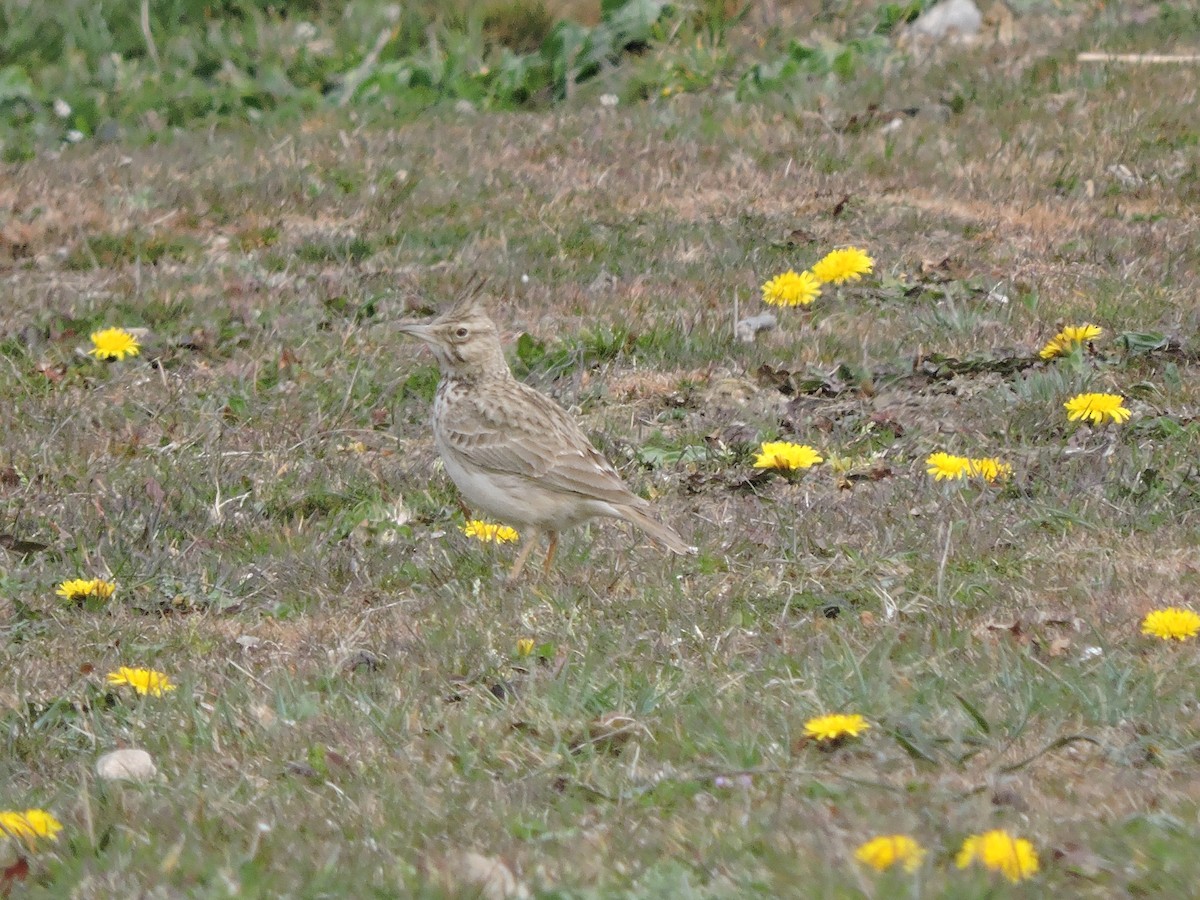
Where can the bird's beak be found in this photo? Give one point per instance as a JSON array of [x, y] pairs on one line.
[[419, 330]]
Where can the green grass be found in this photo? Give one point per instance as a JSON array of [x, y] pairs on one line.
[[261, 482]]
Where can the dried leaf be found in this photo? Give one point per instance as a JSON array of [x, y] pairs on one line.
[[154, 491], [362, 661], [560, 662], [992, 627], [610, 732], [16, 545], [302, 769], [18, 871], [1059, 646], [53, 373]]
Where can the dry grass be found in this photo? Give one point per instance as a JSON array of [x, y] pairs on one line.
[[352, 708]]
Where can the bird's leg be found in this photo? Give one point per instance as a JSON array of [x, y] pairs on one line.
[[531, 538], [550, 553]]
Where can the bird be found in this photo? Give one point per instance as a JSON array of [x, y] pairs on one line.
[[512, 451]]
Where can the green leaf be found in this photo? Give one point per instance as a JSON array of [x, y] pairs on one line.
[[974, 713], [656, 457], [530, 350], [910, 748], [15, 85], [632, 21], [1143, 341], [1049, 748], [843, 64], [561, 49]]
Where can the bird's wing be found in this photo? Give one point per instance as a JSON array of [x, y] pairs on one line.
[[518, 431]]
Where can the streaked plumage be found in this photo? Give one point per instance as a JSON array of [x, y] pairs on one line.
[[513, 452]]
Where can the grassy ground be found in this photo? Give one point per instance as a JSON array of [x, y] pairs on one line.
[[352, 712]]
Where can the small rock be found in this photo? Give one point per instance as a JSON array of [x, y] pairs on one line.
[[960, 17], [730, 390], [1124, 175], [470, 874], [464, 107], [126, 765], [32, 337], [937, 112], [747, 329], [1009, 794], [603, 282]]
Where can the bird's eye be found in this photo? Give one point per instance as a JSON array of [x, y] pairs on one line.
[[461, 332]]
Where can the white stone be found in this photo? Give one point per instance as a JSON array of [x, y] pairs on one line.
[[476, 875], [961, 17], [126, 765], [747, 329]]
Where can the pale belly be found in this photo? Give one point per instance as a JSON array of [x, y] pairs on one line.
[[516, 500]]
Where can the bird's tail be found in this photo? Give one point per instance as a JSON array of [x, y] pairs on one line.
[[664, 534]]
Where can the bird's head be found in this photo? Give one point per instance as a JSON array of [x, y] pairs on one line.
[[464, 340]]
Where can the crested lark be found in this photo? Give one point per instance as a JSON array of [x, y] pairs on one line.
[[512, 451]]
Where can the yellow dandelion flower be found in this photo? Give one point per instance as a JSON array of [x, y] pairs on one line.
[[891, 850], [29, 826], [947, 466], [525, 647], [1096, 408], [999, 851], [144, 681], [490, 532], [849, 264], [1053, 348], [1069, 338], [114, 343], [77, 590], [790, 289], [835, 727], [989, 468], [1079, 334], [1171, 623], [786, 455]]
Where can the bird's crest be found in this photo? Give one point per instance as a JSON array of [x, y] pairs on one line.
[[469, 299]]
